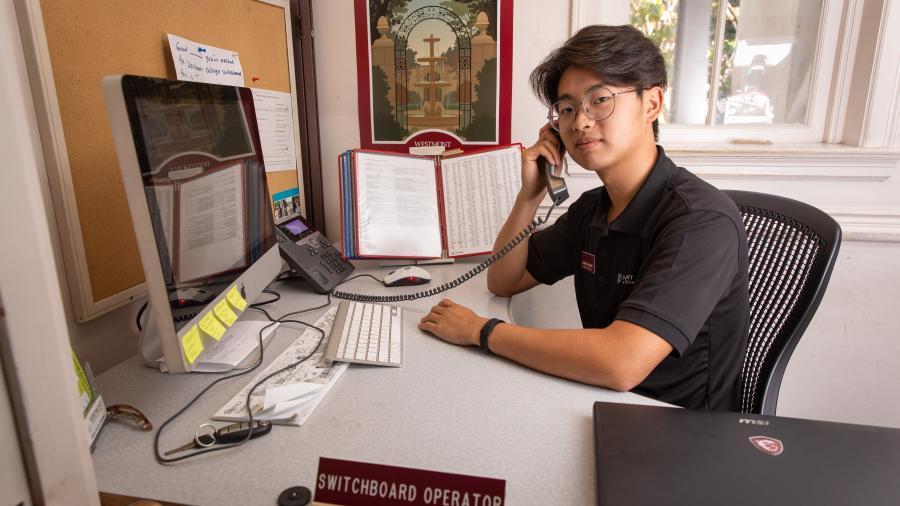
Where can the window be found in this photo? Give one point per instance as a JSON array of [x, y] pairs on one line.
[[753, 70]]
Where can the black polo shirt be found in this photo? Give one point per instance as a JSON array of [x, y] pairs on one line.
[[675, 263]]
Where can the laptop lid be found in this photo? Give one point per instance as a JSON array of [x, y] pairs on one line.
[[649, 455]]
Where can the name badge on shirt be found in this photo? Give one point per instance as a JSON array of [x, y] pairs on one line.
[[588, 262]]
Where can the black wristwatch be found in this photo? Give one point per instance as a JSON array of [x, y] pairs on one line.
[[486, 332]]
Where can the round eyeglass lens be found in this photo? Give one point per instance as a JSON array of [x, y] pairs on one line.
[[600, 103]]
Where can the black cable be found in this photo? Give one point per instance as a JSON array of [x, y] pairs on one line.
[[380, 282], [137, 320], [163, 460], [258, 305], [502, 252]]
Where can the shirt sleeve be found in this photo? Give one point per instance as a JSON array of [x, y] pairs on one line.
[[688, 270], [550, 251]]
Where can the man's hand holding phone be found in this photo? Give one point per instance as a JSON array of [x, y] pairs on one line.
[[548, 146]]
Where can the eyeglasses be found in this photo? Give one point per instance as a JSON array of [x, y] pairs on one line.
[[598, 104]]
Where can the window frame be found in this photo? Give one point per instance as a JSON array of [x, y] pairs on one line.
[[830, 82]]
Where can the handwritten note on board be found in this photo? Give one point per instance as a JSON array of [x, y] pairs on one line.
[[205, 64]]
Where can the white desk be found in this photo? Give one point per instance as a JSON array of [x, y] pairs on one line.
[[451, 409]]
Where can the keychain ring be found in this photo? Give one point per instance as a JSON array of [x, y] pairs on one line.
[[211, 435]]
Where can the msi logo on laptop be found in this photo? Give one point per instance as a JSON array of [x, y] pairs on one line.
[[767, 445]]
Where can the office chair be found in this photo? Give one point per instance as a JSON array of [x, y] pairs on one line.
[[793, 247]]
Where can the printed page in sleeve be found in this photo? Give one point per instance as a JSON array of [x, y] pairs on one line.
[[479, 192], [397, 208]]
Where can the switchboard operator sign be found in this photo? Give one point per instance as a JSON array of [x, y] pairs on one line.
[[358, 483]]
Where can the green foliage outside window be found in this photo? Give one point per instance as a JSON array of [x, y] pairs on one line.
[[658, 20]]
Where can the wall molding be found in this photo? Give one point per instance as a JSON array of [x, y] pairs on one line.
[[882, 106], [857, 224], [804, 165], [868, 225], [819, 162]]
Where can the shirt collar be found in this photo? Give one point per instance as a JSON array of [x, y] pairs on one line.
[[635, 216]]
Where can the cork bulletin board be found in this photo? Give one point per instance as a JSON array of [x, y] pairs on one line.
[[77, 43]]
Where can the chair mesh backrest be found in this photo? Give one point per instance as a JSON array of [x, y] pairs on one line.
[[782, 254]]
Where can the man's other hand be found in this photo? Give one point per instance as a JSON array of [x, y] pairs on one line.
[[453, 323]]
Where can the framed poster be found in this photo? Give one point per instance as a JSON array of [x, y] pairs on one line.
[[434, 73]]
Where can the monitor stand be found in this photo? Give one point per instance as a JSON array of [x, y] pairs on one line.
[[240, 344]]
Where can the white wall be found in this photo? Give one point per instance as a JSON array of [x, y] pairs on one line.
[[846, 367]]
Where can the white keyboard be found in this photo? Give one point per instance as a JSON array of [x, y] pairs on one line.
[[366, 333]]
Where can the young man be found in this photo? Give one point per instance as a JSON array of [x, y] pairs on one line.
[[659, 256]]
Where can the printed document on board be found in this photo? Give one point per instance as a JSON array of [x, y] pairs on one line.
[[275, 120]]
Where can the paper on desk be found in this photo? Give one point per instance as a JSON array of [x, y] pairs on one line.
[[275, 122], [236, 347], [297, 410], [202, 63]]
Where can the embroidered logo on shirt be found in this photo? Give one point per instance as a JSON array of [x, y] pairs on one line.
[[587, 262], [625, 279]]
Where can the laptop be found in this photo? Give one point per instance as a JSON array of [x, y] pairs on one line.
[[648, 455]]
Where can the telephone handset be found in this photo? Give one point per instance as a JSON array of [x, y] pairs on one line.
[[556, 185]]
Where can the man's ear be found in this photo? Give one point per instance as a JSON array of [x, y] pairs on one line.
[[653, 103]]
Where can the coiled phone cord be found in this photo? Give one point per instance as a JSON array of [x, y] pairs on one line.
[[527, 231]]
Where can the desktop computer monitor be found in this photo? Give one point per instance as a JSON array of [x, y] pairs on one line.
[[193, 173]]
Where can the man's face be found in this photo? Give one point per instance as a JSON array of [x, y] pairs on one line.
[[603, 145]]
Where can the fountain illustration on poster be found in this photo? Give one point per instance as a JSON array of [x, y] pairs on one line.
[[433, 72]]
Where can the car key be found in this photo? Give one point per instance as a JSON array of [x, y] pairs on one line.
[[233, 433]]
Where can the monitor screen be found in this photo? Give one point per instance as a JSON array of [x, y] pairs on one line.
[[193, 173], [203, 179]]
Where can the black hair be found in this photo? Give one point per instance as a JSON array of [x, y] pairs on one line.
[[620, 55]]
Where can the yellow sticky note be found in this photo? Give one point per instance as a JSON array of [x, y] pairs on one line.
[[235, 298], [191, 344], [211, 326], [224, 312]]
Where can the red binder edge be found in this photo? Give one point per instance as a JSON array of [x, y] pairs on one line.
[[340, 159]]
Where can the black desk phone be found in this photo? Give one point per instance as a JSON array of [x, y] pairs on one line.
[[311, 255]]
